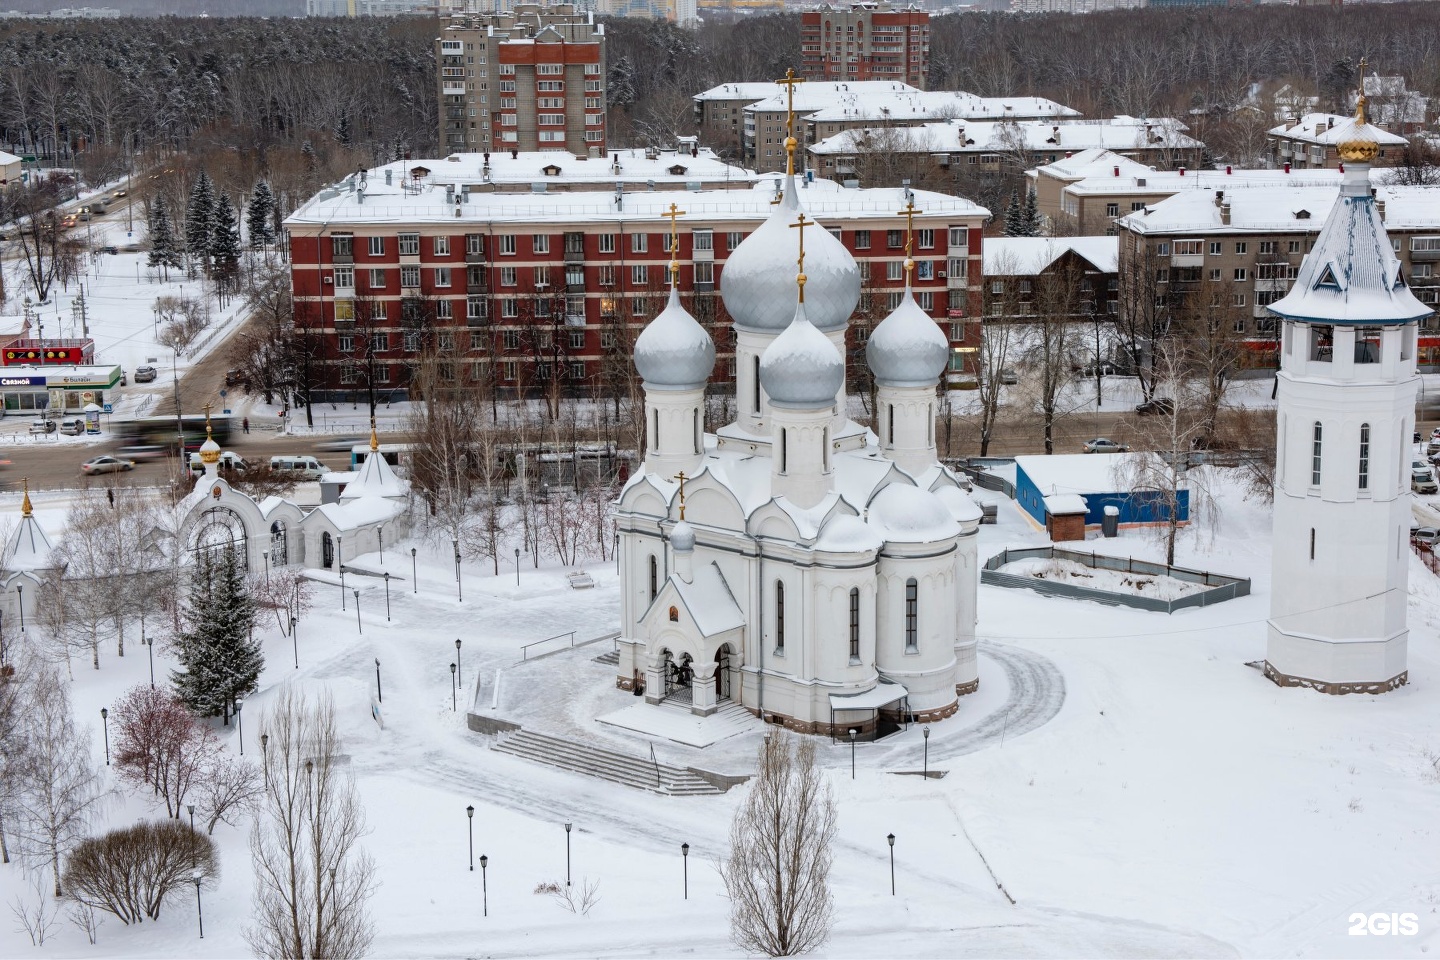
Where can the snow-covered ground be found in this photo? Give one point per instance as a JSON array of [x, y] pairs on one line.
[[1133, 784], [1114, 581]]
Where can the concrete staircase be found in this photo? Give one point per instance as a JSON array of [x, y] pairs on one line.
[[605, 764]]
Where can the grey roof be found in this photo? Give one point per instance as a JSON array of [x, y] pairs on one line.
[[1351, 275], [758, 280], [673, 351]]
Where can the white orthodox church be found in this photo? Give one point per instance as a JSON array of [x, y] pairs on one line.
[[1346, 415], [795, 562]]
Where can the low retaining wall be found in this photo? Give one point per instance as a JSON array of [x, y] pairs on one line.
[[1222, 588]]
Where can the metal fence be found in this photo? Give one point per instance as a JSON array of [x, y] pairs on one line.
[[1221, 587], [975, 469]]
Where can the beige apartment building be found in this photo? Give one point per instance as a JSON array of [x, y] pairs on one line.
[[530, 79], [1248, 241], [1313, 141]]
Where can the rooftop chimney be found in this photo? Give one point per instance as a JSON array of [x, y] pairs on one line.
[[1225, 213], [1290, 123]]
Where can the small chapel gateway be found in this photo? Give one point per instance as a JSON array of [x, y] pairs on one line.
[[820, 574]]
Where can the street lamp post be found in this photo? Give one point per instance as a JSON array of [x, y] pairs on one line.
[[459, 592], [199, 912], [380, 538], [452, 688], [358, 625], [926, 734], [240, 724], [517, 579], [378, 694], [891, 838], [105, 719], [265, 756], [191, 808], [414, 577], [150, 649], [853, 734], [266, 555], [295, 642], [470, 814], [685, 861], [387, 596], [567, 853], [459, 670], [484, 886]]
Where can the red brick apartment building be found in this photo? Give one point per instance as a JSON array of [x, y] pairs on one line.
[[522, 291], [865, 41]]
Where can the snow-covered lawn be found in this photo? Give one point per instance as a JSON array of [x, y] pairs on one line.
[[1175, 803], [1113, 581]]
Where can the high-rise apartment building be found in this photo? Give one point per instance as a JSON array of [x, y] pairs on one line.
[[530, 79], [865, 41]]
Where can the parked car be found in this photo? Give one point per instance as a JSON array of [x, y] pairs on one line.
[[42, 426], [234, 378], [1162, 406], [1418, 465], [1009, 377], [1425, 537], [1423, 481], [145, 374], [1093, 369], [1101, 445], [72, 426], [106, 464]]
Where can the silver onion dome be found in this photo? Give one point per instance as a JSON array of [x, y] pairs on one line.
[[907, 349], [674, 352], [801, 367]]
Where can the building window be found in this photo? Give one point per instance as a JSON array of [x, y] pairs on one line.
[[780, 617], [639, 242], [925, 239], [894, 239], [507, 276], [509, 308], [510, 339], [607, 243], [704, 272], [442, 276], [854, 625], [654, 578], [377, 246], [377, 279], [637, 275], [345, 343], [412, 342], [379, 342], [475, 244], [1112, 209], [1240, 274], [444, 310], [894, 270], [540, 243], [342, 245], [702, 240], [1364, 456], [410, 275], [409, 244], [733, 239], [345, 277], [441, 245], [912, 603], [862, 239], [507, 244], [1315, 449], [1240, 248]]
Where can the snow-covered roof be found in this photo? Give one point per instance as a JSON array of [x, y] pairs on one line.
[[847, 534], [906, 514], [811, 95], [1270, 209], [1117, 133], [1030, 256], [669, 167], [6, 159], [1080, 473], [927, 105], [333, 208], [12, 326], [708, 600], [873, 699], [353, 514], [29, 547], [1065, 503], [1093, 162], [1333, 129], [1351, 275], [375, 478], [1163, 183]]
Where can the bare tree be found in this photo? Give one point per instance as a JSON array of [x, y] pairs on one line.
[[311, 880], [1049, 343], [133, 871], [778, 873], [15, 709], [61, 790]]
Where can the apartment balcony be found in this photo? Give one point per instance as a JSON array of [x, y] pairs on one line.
[[1423, 256], [480, 287], [342, 257], [474, 256], [453, 88], [1188, 260], [1275, 286], [452, 48], [574, 254], [953, 282]]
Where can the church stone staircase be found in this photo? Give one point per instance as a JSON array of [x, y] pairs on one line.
[[622, 768]]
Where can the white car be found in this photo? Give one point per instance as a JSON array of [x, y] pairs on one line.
[[106, 464]]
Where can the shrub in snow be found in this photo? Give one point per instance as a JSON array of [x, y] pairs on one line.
[[133, 871]]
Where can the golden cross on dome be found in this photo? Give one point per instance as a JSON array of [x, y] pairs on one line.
[[682, 478], [25, 507], [788, 82], [374, 438], [674, 213], [1360, 99], [207, 422], [800, 224], [909, 214]]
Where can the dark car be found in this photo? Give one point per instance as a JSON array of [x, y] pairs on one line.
[[145, 374], [1162, 406], [236, 378]]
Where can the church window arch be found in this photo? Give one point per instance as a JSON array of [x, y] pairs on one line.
[[695, 417], [784, 450], [890, 424], [825, 449], [279, 546], [912, 616], [756, 368], [854, 625], [654, 429], [654, 577], [780, 616], [1316, 449], [1364, 456]]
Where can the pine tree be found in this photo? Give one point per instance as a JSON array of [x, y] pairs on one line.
[[225, 240], [163, 251], [257, 216], [342, 132], [1030, 222], [221, 661], [200, 221], [1012, 216], [307, 152]]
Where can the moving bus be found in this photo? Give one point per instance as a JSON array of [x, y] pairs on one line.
[[162, 430]]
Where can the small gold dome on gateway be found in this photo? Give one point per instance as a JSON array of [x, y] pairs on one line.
[[1361, 148]]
